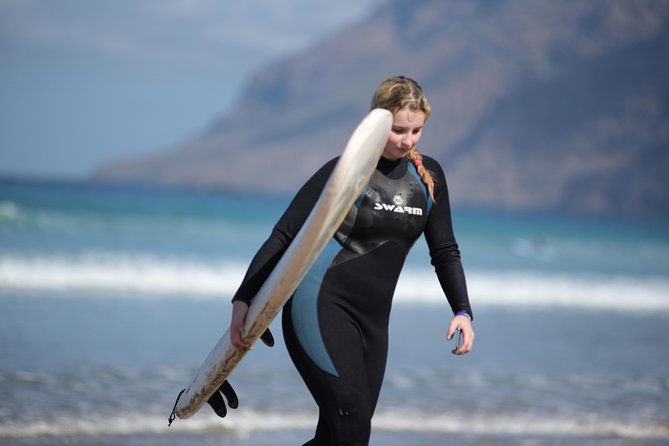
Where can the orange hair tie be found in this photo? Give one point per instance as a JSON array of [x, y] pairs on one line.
[[418, 163]]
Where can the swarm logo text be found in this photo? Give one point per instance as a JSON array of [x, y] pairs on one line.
[[397, 207]]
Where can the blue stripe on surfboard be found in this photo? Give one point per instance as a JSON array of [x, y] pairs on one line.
[[358, 202], [305, 310]]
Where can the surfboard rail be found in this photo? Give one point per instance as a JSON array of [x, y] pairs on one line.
[[347, 181]]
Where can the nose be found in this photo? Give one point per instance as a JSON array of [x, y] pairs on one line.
[[407, 141]]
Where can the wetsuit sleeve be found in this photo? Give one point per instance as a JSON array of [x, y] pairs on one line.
[[444, 250], [283, 233]]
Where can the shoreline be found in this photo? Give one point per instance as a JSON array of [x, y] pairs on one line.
[[293, 438]]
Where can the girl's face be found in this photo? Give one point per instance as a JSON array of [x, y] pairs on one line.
[[405, 133]]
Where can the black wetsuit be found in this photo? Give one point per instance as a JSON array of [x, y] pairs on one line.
[[336, 324]]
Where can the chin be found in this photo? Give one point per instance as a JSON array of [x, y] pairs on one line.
[[395, 154], [391, 157]]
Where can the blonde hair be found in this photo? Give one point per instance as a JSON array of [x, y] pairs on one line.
[[400, 92]]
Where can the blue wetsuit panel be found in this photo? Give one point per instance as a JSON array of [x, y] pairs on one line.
[[305, 310]]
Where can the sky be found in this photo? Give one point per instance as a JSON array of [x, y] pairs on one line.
[[84, 82]]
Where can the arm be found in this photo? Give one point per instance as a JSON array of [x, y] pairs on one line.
[[271, 251], [445, 256]]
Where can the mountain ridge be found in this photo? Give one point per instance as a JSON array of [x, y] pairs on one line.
[[542, 106]]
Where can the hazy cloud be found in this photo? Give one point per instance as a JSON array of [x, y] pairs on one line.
[[83, 81], [172, 29]]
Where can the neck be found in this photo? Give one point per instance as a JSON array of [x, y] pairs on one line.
[[394, 168]]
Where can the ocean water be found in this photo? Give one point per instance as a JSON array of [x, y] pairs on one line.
[[111, 297]]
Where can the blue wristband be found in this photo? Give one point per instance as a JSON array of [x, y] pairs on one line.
[[463, 313]]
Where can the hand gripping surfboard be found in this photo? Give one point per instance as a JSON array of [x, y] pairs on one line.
[[347, 181]]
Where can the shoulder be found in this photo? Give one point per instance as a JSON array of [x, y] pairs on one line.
[[317, 181], [304, 200], [330, 165], [433, 166], [430, 162], [437, 173], [324, 172]]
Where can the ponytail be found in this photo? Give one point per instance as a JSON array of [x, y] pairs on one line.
[[417, 159]]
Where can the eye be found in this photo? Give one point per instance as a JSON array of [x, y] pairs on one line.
[[398, 130], [417, 131]]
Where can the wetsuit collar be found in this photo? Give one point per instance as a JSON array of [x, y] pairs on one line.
[[394, 169]]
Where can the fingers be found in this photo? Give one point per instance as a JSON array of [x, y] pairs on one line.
[[239, 311], [456, 324], [466, 341], [237, 339]]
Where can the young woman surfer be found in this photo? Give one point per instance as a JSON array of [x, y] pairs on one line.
[[336, 324]]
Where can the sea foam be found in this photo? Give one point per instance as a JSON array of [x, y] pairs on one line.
[[246, 421], [149, 275]]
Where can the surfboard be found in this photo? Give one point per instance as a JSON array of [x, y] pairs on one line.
[[347, 181]]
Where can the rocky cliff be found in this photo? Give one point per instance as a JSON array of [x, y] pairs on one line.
[[549, 106]]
